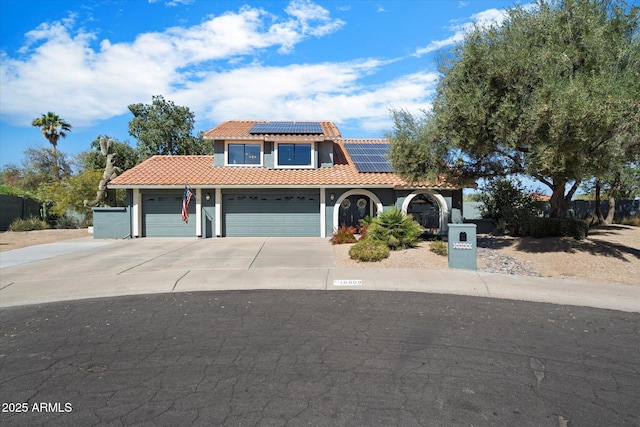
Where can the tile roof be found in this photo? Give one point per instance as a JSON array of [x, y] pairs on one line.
[[199, 171], [239, 129]]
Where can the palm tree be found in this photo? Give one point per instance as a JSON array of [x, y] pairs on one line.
[[52, 127]]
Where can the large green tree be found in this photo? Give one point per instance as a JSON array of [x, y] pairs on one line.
[[164, 128], [125, 156], [553, 93], [53, 128], [416, 152]]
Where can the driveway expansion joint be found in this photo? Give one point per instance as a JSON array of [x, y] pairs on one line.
[[178, 281]]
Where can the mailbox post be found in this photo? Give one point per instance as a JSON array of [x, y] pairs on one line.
[[462, 246]]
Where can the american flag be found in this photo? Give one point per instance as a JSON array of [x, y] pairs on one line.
[[185, 204]]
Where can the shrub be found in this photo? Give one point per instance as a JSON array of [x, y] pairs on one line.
[[631, 220], [343, 235], [555, 227], [507, 203], [28, 224], [394, 229], [365, 223], [66, 221], [368, 250], [439, 247]]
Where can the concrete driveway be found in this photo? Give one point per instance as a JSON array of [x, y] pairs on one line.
[[152, 254]]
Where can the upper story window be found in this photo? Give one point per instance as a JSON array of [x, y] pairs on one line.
[[294, 155], [244, 154]]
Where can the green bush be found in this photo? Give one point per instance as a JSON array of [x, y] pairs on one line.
[[368, 250], [555, 227], [509, 205], [343, 235], [439, 247], [28, 224], [66, 221], [394, 229]]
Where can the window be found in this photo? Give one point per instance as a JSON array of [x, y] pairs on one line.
[[294, 155], [244, 154]]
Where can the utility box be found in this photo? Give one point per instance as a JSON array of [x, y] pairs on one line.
[[462, 246]]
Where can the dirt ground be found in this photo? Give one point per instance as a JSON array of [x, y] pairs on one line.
[[610, 254], [19, 239]]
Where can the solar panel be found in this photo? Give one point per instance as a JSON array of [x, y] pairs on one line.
[[293, 128], [369, 157]]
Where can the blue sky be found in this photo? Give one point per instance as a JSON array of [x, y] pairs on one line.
[[348, 61]]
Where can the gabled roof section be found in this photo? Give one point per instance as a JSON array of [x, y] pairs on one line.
[[241, 130], [175, 171]]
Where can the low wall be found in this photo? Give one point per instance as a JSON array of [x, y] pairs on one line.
[[587, 208], [577, 208], [483, 226], [111, 223], [16, 207]]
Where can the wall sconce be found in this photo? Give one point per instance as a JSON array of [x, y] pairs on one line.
[[332, 196], [207, 196]]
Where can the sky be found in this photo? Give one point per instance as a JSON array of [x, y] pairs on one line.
[[348, 61]]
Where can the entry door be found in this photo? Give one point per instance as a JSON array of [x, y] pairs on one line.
[[353, 209]]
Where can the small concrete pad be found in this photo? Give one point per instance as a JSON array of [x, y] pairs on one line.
[[48, 250], [299, 252]]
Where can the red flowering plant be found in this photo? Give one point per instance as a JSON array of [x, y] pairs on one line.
[[343, 235]]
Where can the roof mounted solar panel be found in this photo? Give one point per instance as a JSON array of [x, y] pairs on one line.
[[287, 128], [369, 157]]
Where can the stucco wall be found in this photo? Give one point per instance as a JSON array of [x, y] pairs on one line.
[[111, 223]]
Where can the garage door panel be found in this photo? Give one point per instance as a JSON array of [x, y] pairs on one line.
[[162, 216], [283, 214]]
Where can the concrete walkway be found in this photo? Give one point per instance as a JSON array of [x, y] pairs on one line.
[[87, 268]]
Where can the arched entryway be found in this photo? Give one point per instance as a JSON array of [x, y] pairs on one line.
[[354, 205], [429, 209]]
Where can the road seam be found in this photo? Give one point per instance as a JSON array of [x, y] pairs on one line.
[[152, 259], [179, 279], [258, 254], [485, 283], [6, 286]]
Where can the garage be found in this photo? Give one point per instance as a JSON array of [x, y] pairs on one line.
[[161, 216], [293, 213]]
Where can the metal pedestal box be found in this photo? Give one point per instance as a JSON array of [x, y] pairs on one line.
[[462, 246]]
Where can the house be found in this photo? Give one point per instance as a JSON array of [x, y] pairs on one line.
[[268, 178]]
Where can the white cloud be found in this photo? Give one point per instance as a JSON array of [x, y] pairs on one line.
[[179, 2], [329, 91], [62, 70], [207, 67], [485, 18]]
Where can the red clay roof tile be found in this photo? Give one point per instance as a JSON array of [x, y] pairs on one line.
[[199, 170], [239, 129]]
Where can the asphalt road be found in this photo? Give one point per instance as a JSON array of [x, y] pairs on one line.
[[341, 358]]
